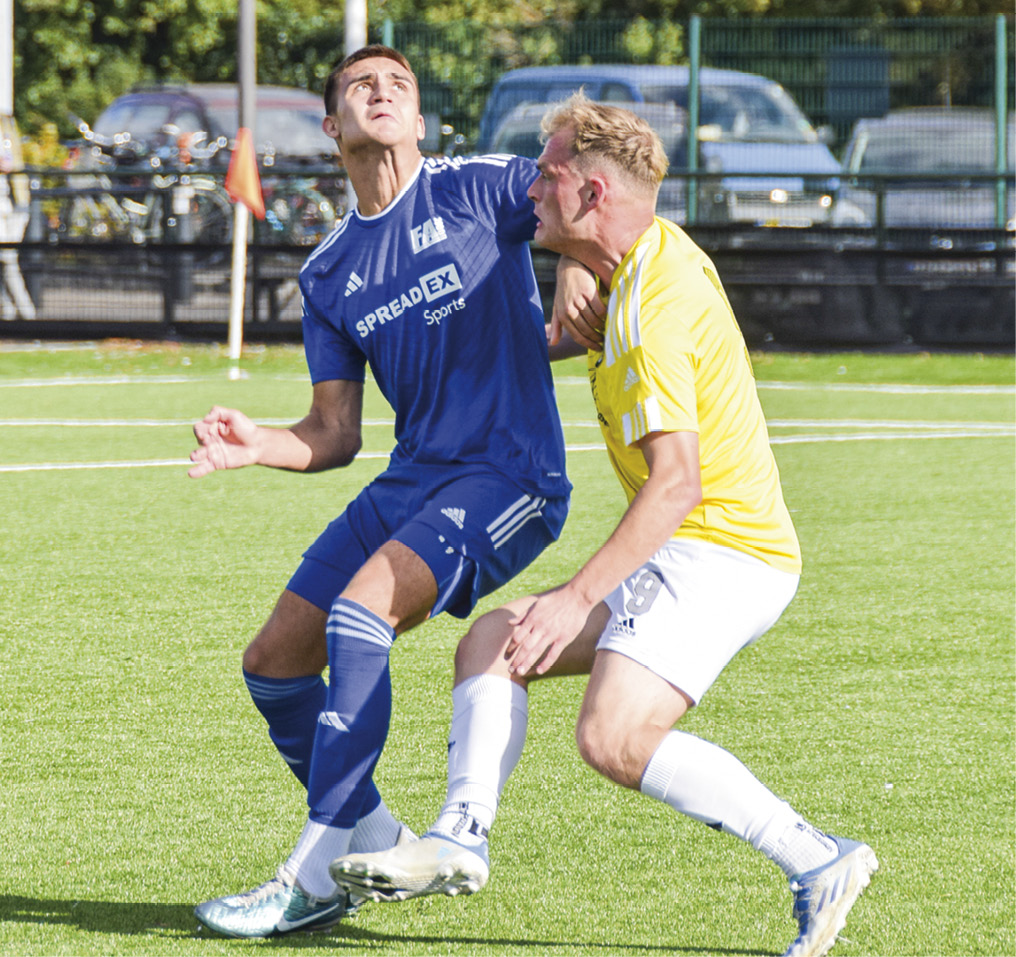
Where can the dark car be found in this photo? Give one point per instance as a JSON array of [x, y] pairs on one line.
[[519, 135], [769, 165], [932, 166], [288, 120]]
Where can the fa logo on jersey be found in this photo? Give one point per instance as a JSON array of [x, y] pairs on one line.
[[428, 234]]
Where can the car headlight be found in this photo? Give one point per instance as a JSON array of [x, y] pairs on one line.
[[846, 213]]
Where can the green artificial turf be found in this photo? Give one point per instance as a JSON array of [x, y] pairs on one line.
[[136, 778]]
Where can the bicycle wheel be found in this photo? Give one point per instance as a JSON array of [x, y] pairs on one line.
[[297, 214], [212, 212]]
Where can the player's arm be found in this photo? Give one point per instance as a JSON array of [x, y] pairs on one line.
[[562, 346], [673, 489], [327, 437], [578, 315]]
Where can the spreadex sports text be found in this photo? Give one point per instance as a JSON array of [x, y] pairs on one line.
[[435, 285]]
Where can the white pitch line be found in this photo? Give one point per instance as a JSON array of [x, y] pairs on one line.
[[876, 388], [591, 424], [872, 387], [79, 466], [99, 380], [142, 464], [884, 436], [135, 380], [888, 389], [591, 447], [1005, 427], [144, 423]]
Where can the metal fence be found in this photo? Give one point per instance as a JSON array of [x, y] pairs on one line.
[[820, 287], [918, 258], [838, 70]]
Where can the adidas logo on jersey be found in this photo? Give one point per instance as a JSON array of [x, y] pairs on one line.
[[457, 515], [631, 378], [355, 282]]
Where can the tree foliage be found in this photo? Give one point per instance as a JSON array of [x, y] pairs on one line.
[[75, 56]]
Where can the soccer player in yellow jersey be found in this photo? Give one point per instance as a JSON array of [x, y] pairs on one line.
[[702, 563]]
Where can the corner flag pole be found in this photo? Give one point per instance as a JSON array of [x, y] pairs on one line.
[[242, 181], [244, 187], [237, 286]]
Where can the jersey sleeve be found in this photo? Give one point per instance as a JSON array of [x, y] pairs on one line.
[[655, 387], [499, 186], [330, 352]]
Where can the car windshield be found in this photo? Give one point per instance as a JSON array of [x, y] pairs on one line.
[[144, 118], [743, 113], [290, 131], [945, 149], [526, 142]]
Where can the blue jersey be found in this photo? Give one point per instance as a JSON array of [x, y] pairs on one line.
[[437, 294]]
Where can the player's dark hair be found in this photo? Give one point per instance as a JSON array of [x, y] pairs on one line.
[[364, 53]]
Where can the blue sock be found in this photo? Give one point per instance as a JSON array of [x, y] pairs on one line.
[[291, 707], [353, 725]]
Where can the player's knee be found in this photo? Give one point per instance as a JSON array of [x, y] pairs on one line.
[[276, 654], [602, 748], [481, 649], [255, 661]]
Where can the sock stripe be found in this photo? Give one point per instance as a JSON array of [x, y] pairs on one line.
[[275, 689], [659, 772], [356, 621]]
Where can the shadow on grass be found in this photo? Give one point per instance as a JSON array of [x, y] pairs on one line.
[[178, 921]]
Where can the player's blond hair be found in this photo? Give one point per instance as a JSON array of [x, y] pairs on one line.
[[610, 133]]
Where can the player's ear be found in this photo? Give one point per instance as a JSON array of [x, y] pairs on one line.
[[330, 127], [421, 128], [594, 192]]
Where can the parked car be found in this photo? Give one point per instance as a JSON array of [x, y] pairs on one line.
[[749, 126], [519, 135], [930, 157], [288, 120], [167, 127]]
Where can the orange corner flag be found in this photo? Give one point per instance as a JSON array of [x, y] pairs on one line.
[[242, 181]]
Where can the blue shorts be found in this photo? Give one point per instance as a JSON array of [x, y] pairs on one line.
[[474, 528]]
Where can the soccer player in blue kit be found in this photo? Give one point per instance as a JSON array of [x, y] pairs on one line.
[[428, 281]]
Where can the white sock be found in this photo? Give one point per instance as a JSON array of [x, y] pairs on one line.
[[706, 783], [488, 733], [377, 831], [318, 846]]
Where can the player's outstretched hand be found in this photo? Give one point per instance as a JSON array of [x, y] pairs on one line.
[[539, 636], [227, 439], [578, 308]]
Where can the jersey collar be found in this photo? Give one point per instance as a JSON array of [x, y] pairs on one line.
[[395, 202]]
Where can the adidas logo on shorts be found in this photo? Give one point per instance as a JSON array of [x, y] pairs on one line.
[[624, 626]]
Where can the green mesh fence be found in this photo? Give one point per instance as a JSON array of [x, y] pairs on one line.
[[836, 69]]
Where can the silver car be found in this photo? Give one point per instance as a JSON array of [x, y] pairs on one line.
[[928, 167]]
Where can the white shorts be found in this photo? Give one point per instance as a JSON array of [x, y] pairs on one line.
[[691, 608]]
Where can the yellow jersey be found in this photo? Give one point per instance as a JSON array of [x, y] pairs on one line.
[[674, 360]]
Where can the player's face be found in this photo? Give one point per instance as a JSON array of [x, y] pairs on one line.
[[378, 103], [556, 194]]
